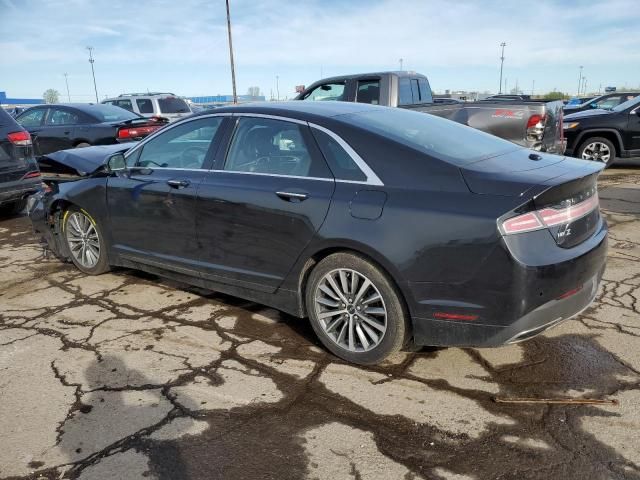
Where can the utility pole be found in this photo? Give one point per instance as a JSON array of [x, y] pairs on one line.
[[278, 87], [533, 87], [516, 86], [503, 44], [66, 80], [506, 90], [584, 85], [599, 88], [579, 80], [233, 68], [400, 64], [91, 60]]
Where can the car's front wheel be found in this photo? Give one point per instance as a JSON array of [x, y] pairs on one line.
[[355, 309], [597, 149], [85, 241]]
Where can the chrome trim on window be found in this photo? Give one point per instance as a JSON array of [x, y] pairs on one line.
[[272, 117], [275, 175], [372, 178]]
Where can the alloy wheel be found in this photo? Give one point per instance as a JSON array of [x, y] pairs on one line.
[[350, 310], [597, 151], [83, 239]]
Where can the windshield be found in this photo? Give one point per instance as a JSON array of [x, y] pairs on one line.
[[444, 139], [627, 104], [173, 105], [110, 113]]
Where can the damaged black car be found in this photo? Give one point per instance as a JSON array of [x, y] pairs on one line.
[[383, 226]]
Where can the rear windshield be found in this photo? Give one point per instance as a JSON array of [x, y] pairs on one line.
[[173, 105], [110, 113], [440, 138]]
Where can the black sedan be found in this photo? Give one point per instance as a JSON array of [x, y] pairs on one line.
[[381, 225], [58, 127], [19, 174]]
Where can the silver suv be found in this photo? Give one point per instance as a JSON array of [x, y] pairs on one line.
[[153, 104]]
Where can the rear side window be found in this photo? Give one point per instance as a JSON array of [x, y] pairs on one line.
[[425, 91], [275, 147], [32, 118], [173, 105], [405, 97], [413, 91], [340, 162], [144, 105], [61, 117], [368, 92]]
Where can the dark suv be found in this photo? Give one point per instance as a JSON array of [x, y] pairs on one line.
[[603, 135], [19, 174], [603, 102]]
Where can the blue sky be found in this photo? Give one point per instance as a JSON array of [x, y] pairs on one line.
[[181, 46]]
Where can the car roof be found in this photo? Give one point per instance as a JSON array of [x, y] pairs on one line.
[[402, 73], [296, 109]]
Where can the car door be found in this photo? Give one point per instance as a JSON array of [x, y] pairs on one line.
[[57, 131], [633, 129], [264, 202], [32, 121], [152, 203]]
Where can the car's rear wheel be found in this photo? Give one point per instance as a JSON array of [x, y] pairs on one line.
[[85, 241], [13, 208], [597, 149], [355, 309]]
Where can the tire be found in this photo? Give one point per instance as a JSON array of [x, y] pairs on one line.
[[82, 249], [598, 149], [82, 145], [13, 208], [390, 329]]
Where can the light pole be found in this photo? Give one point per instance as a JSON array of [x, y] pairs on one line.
[[579, 80], [93, 73], [66, 80], [533, 86], [584, 85], [503, 44], [233, 68], [278, 87], [400, 64]]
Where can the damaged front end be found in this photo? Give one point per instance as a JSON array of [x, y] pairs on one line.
[[66, 176]]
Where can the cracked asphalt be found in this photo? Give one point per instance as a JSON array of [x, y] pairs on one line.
[[129, 376]]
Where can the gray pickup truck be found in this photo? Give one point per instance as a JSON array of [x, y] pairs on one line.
[[530, 123]]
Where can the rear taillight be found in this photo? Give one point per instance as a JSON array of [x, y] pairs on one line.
[[549, 217], [34, 174], [20, 138], [535, 127], [135, 132]]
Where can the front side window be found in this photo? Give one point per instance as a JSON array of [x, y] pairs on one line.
[[267, 146], [183, 146], [32, 118], [342, 165], [608, 103], [368, 92], [61, 117], [144, 105], [328, 91]]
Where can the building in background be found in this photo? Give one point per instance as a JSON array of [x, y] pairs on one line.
[[18, 102]]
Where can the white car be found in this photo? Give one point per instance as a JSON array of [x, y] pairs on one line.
[[152, 104]]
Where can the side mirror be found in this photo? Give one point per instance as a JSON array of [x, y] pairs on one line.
[[116, 163]]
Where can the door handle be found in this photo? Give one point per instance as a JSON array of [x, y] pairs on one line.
[[178, 183], [292, 196]]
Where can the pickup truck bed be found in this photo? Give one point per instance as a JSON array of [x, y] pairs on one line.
[[530, 123]]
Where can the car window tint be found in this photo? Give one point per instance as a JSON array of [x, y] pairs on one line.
[[262, 145], [32, 118], [328, 91], [126, 104], [340, 162], [368, 92], [183, 146], [61, 117], [405, 97], [144, 105], [425, 91], [173, 105]]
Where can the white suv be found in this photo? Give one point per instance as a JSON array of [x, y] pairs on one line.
[[152, 104]]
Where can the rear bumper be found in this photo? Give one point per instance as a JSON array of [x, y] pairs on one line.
[[15, 191], [531, 298]]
